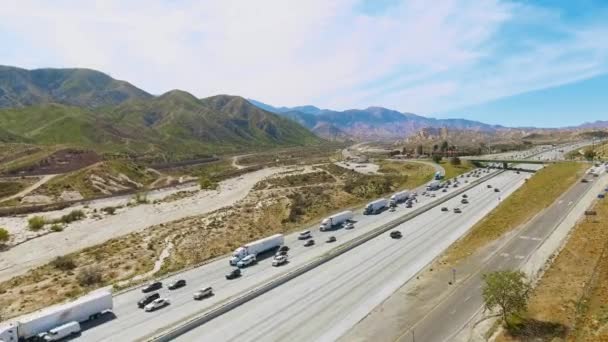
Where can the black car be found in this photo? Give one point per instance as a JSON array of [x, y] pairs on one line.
[[235, 273], [280, 252], [331, 239], [148, 299], [489, 186], [464, 201], [444, 209], [496, 190], [457, 210], [177, 284], [395, 234], [465, 196], [152, 286], [309, 243], [283, 248]]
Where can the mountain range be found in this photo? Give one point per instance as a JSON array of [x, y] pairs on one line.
[[86, 108], [373, 123]]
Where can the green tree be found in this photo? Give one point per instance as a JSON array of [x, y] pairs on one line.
[[4, 235], [444, 146], [36, 223], [437, 158], [435, 148], [419, 149], [509, 290]]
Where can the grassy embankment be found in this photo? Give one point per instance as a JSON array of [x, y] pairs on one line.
[[570, 301], [452, 171], [200, 238], [538, 193]]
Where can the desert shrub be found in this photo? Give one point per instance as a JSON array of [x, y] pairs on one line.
[[89, 275], [36, 223], [56, 227], [4, 235], [64, 263]]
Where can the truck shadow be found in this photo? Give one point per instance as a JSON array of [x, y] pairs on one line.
[[269, 254], [105, 317]]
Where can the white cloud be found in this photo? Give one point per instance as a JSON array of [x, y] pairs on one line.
[[414, 57]]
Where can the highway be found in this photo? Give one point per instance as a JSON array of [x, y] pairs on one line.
[[462, 304], [325, 302], [132, 323]]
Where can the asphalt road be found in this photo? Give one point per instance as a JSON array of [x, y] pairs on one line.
[[325, 302], [131, 323], [462, 304]]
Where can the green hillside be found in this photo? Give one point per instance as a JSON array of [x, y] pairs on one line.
[[77, 87], [170, 127]]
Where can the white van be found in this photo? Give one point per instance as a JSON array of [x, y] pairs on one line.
[[304, 235], [62, 331]]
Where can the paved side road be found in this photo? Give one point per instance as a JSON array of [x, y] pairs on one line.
[[461, 305]]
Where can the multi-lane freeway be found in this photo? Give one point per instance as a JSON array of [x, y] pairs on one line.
[[325, 302], [131, 323]]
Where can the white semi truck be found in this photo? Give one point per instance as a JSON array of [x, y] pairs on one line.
[[256, 247], [434, 185], [376, 206], [335, 220], [39, 323], [398, 197]]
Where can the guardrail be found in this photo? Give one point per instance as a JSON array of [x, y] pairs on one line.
[[175, 331]]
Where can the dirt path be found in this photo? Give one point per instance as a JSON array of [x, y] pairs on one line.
[[30, 188], [90, 231], [235, 161]]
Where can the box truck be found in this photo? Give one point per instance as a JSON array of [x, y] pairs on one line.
[[256, 247], [43, 321], [335, 220], [398, 197], [438, 175]]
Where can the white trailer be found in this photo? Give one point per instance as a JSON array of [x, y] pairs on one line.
[[375, 206], [82, 309], [434, 185], [398, 197], [335, 220], [256, 247]]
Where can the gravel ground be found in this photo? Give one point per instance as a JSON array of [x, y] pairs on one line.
[[43, 247]]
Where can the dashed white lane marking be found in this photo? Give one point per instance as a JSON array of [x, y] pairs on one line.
[[467, 299], [504, 255], [519, 257]]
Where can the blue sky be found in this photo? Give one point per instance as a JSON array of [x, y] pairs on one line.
[[511, 62]]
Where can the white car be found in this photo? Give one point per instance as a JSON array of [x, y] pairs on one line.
[[304, 235], [246, 261], [203, 293], [279, 260], [157, 304], [349, 225]]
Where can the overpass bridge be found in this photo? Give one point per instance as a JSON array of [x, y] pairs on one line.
[[505, 162]]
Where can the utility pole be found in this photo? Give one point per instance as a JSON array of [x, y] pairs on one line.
[[413, 336]]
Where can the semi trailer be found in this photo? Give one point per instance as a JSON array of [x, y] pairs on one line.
[[335, 220], [38, 324], [398, 197], [256, 247], [376, 206]]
